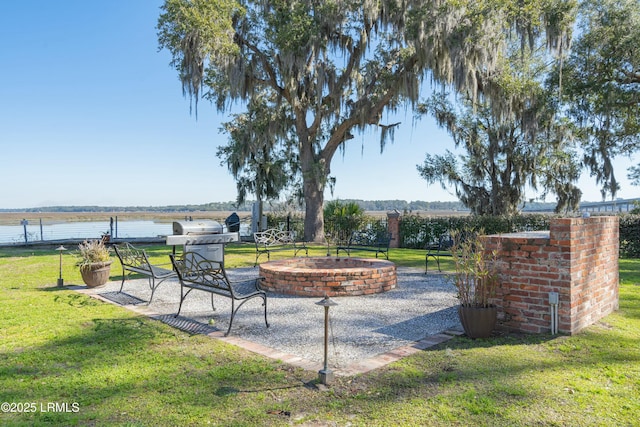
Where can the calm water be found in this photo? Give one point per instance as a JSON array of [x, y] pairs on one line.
[[90, 230], [83, 230]]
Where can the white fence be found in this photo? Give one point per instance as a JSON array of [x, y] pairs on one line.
[[30, 231]]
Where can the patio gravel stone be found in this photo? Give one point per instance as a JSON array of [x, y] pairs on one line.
[[365, 332]]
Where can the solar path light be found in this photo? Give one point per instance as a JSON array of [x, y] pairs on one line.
[[60, 279], [325, 375]]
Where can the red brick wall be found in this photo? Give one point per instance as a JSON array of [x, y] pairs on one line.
[[577, 258]]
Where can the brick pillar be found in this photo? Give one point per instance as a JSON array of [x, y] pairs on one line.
[[592, 247], [393, 225], [577, 259]]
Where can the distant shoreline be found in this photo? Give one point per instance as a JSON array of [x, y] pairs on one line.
[[14, 218]]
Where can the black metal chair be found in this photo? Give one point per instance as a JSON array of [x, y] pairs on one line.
[[136, 261], [196, 272], [438, 249]]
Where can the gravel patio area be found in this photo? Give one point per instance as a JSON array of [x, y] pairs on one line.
[[365, 331]]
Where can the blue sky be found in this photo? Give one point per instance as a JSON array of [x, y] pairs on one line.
[[91, 113]]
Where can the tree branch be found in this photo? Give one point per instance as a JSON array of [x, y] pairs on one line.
[[630, 77], [264, 60]]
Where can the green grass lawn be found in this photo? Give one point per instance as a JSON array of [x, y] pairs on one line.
[[67, 359]]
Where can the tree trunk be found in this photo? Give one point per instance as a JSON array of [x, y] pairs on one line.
[[314, 176], [314, 214]]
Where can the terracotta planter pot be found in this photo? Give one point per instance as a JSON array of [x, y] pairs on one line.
[[97, 274], [478, 322]]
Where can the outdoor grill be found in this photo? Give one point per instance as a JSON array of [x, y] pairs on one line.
[[196, 228], [205, 237]]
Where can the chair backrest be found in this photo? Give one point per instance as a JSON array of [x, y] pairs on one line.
[[445, 242], [131, 256], [193, 268], [273, 236]]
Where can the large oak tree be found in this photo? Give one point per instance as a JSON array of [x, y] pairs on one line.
[[601, 86], [509, 144], [338, 65], [503, 157]]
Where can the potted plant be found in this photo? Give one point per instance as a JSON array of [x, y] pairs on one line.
[[94, 262], [476, 279]]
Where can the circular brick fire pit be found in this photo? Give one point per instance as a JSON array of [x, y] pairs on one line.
[[330, 276]]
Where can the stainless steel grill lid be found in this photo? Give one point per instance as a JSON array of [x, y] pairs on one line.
[[203, 226]]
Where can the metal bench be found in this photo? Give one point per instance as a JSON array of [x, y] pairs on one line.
[[196, 272], [435, 250], [136, 261], [367, 240], [272, 240]]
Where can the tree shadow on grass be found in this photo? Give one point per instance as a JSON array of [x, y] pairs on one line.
[[109, 360]]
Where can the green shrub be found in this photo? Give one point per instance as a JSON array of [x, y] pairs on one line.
[[630, 235], [342, 219], [417, 231]]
